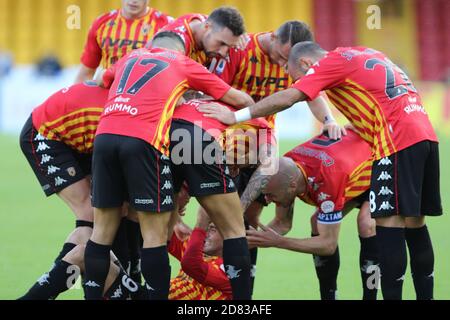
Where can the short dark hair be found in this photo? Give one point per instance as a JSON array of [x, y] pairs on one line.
[[169, 35], [294, 32], [228, 17], [305, 48]]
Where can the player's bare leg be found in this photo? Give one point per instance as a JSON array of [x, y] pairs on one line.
[[368, 256], [97, 253], [421, 257], [155, 264], [226, 213]]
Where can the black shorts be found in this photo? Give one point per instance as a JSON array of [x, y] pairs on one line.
[[407, 183], [241, 181], [203, 175], [130, 169], [55, 164]]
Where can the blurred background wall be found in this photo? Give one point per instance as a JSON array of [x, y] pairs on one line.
[[415, 34]]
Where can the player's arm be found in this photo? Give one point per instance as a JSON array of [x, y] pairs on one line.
[[85, 73], [325, 244], [256, 184], [237, 98], [322, 113], [193, 263], [176, 247], [91, 56], [273, 104], [282, 222], [201, 80]]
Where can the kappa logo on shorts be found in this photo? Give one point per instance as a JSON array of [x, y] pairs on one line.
[[386, 205], [52, 169], [384, 176], [168, 200], [166, 170], [385, 162], [39, 137], [42, 146], [71, 171], [209, 185], [143, 201], [385, 191], [167, 185], [231, 184], [45, 158], [59, 181]]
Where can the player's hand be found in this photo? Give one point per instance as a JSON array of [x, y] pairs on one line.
[[350, 126], [335, 131], [243, 41], [203, 219], [219, 112], [183, 199], [182, 231], [264, 238]]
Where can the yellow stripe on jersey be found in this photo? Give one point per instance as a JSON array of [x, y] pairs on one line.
[[379, 114], [73, 122], [84, 110], [166, 115], [359, 180], [350, 113]]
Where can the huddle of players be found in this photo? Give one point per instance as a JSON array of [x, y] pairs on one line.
[[133, 140]]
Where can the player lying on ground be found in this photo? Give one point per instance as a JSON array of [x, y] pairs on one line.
[[381, 102], [131, 157], [321, 173], [259, 70]]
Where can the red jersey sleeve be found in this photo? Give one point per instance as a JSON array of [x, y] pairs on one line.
[[92, 53], [196, 267], [200, 79], [176, 247], [324, 74], [331, 197]]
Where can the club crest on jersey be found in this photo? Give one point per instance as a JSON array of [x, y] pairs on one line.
[[71, 171]]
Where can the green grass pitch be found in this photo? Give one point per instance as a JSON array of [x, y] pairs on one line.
[[33, 229]]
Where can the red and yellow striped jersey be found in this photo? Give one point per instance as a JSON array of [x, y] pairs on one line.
[[336, 171], [181, 27], [145, 87], [112, 36], [374, 94], [71, 115], [251, 70], [202, 277]]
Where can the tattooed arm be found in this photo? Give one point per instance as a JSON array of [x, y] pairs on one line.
[[257, 183]]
